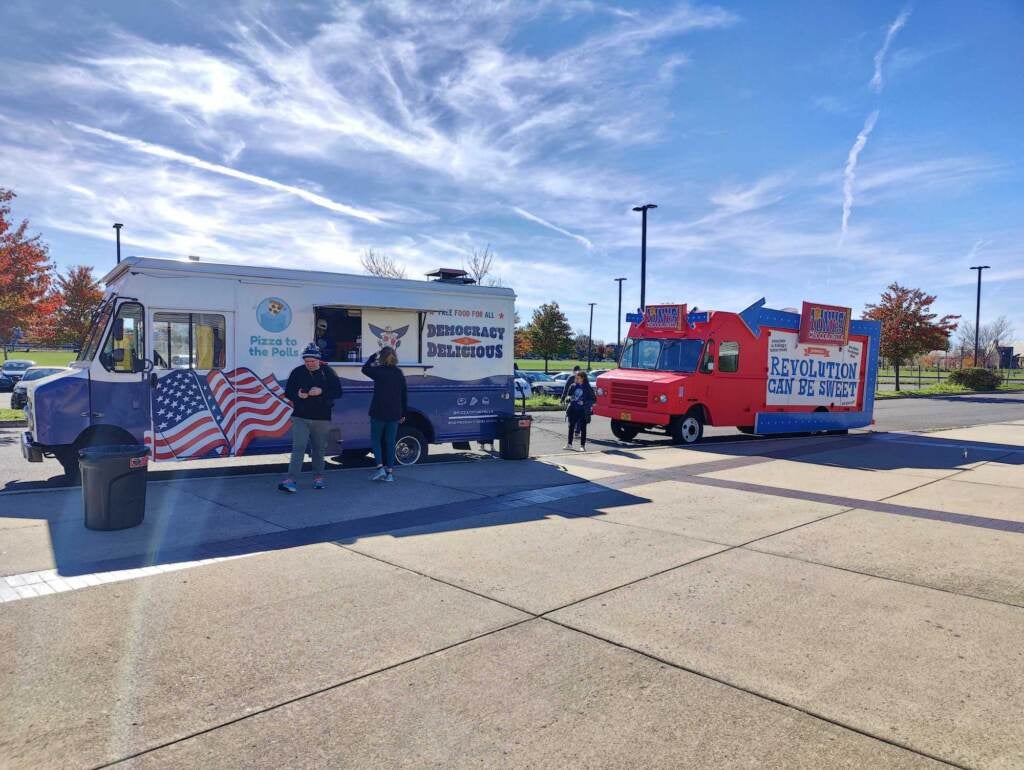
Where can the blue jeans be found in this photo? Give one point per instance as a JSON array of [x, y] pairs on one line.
[[383, 434]]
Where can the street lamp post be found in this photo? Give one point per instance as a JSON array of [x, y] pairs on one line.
[[643, 251], [118, 226], [977, 311], [618, 320], [590, 335]]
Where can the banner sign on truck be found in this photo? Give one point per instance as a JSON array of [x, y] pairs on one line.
[[668, 317], [825, 324], [812, 375]]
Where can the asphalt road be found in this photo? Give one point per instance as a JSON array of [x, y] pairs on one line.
[[548, 437]]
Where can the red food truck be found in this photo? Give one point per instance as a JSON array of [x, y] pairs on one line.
[[763, 371]]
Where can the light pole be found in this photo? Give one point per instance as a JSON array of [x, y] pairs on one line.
[[977, 310], [618, 321], [590, 335], [643, 251], [118, 226]]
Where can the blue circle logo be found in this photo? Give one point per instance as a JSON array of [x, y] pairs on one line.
[[273, 314]]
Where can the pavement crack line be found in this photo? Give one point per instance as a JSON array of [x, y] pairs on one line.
[[310, 694], [756, 694]]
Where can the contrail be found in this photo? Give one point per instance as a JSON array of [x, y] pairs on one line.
[[896, 26], [190, 160], [850, 172], [534, 218]]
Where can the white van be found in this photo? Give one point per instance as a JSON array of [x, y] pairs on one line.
[[191, 358]]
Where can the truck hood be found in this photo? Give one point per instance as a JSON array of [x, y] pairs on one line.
[[642, 375]]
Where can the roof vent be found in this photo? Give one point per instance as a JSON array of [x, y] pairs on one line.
[[451, 275], [193, 258]]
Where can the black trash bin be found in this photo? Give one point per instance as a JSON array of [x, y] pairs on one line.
[[114, 485], [515, 436]]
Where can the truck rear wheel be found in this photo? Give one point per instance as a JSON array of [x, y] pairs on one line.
[[624, 431], [688, 429], [411, 446]]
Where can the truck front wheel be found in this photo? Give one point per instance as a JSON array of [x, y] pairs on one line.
[[624, 431], [688, 429]]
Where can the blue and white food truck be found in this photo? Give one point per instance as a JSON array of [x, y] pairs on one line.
[[190, 358]]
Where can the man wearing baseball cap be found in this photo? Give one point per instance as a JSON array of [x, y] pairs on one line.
[[312, 389]]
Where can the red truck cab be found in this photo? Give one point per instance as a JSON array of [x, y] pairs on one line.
[[761, 371]]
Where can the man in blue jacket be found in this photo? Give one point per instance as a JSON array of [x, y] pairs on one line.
[[312, 389]]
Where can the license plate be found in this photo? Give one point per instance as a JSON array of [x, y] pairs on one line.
[[625, 416]]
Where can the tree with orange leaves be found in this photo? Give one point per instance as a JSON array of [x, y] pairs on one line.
[[26, 275], [908, 326]]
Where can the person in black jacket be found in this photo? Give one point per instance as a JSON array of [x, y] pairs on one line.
[[387, 409], [581, 399], [312, 389]]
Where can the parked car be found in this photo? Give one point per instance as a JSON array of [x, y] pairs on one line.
[[13, 370], [544, 384], [18, 394]]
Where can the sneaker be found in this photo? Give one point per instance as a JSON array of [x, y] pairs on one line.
[[568, 447], [288, 486], [389, 477], [378, 474], [318, 483], [583, 448]]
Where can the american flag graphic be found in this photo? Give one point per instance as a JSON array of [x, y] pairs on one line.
[[221, 413]]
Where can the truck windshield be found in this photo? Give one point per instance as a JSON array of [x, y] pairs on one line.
[[96, 329], [662, 355]]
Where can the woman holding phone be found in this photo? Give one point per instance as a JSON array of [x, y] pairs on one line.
[[387, 409]]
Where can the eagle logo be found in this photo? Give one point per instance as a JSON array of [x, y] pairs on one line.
[[388, 337]]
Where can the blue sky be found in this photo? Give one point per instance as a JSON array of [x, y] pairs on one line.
[[798, 150]]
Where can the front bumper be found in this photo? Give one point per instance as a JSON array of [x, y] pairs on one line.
[[628, 414], [30, 450]]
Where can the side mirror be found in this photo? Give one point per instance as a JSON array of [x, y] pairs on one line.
[[709, 367], [119, 329]]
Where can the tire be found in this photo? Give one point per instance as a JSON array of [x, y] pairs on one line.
[[411, 446], [624, 431], [68, 458], [688, 429]]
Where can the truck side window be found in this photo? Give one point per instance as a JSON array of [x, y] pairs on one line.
[[729, 357], [125, 350], [189, 340]]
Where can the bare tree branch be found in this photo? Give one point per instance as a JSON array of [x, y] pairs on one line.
[[381, 265], [479, 266]]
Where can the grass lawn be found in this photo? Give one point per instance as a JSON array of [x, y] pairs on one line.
[[560, 365], [6, 415], [43, 357], [941, 389]]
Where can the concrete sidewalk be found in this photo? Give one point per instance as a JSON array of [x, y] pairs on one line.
[[831, 601]]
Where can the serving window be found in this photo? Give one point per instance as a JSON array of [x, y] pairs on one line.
[[351, 335]]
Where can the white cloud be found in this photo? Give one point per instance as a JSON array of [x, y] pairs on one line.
[[850, 172], [544, 223], [890, 34], [168, 154]]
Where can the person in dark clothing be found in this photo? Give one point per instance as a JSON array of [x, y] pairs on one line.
[[570, 381], [312, 389], [581, 399], [387, 409]]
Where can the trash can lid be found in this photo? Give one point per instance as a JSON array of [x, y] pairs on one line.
[[113, 451]]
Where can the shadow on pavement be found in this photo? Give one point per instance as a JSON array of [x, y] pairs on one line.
[[238, 515]]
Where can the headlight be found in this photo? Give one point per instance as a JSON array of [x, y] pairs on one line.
[[600, 390], [663, 398]]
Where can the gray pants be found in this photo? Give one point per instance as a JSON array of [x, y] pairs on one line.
[[314, 433]]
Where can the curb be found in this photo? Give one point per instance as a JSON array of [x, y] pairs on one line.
[[13, 424], [948, 395]]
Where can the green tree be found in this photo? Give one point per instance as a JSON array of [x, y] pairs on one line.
[[908, 326], [549, 333]]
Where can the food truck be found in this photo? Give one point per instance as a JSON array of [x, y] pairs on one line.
[[763, 371], [191, 358]]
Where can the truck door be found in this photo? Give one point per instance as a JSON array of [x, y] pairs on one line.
[[192, 386], [118, 391], [733, 387]]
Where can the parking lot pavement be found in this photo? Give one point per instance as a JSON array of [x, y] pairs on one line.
[[830, 601]]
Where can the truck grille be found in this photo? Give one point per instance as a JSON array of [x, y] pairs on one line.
[[629, 394]]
